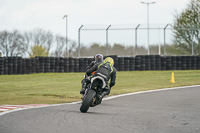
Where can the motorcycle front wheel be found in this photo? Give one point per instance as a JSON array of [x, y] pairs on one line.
[[87, 101]]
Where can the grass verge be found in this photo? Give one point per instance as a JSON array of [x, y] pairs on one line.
[[53, 88]]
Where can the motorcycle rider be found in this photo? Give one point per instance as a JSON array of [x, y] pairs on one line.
[[107, 71], [98, 60]]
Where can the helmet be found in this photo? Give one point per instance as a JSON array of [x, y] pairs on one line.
[[110, 60], [99, 58]]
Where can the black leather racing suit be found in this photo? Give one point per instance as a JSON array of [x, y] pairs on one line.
[[107, 72]]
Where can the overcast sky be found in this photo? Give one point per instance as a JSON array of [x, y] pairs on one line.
[[26, 15]]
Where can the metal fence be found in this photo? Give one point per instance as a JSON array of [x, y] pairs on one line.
[[134, 37]]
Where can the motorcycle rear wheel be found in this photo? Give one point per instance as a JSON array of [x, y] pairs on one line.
[[87, 101]]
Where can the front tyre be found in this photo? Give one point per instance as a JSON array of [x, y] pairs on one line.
[[87, 101]]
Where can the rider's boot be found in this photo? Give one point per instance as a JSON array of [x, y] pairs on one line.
[[100, 96], [104, 93]]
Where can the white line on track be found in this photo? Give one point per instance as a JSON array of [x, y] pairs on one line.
[[107, 98]]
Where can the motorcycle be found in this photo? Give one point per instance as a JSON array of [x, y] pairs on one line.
[[93, 89]]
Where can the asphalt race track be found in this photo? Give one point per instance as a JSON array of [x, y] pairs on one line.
[[168, 111]]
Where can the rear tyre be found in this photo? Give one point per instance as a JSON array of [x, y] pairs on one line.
[[87, 101]]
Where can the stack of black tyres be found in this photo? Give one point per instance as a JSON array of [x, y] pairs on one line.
[[6, 65], [56, 67], [57, 63], [23, 66], [198, 62], [163, 63], [76, 65], [10, 65], [37, 62], [132, 64], [173, 62], [168, 63], [46, 64], [66, 64], [148, 59], [81, 65], [178, 62], [15, 65], [152, 62], [71, 64], [28, 66], [137, 63], [188, 62], [126, 64], [158, 62], [183, 63], [61, 65], [19, 65], [52, 64], [33, 65], [142, 63], [1, 66], [194, 62], [121, 63], [41, 62]]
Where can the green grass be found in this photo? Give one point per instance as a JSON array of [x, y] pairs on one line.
[[52, 88]]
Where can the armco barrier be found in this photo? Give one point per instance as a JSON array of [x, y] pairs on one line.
[[19, 65]]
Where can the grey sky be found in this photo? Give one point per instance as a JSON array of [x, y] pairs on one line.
[[26, 15]]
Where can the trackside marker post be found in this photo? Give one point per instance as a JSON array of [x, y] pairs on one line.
[[172, 78]]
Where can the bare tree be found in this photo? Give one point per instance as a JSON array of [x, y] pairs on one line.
[[39, 37], [28, 41], [49, 41], [4, 42], [44, 38], [60, 43], [72, 48], [12, 43]]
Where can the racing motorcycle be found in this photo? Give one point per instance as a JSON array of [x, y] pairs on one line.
[[90, 97]]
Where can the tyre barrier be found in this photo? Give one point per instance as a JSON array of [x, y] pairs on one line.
[[132, 64], [76, 65], [1, 66], [66, 64], [121, 63], [19, 65], [61, 65], [137, 63]]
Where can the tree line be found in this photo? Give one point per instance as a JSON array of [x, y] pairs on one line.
[[35, 43]]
